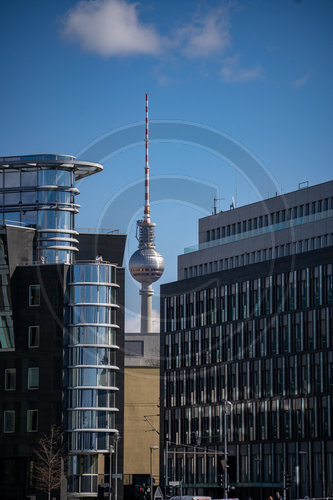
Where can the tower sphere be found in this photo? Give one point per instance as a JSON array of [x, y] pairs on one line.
[[146, 265]]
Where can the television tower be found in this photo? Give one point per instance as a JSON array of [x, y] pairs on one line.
[[146, 265]]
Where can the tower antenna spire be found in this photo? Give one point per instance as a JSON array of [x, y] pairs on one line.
[[147, 207], [146, 265]]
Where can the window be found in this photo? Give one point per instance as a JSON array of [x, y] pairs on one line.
[[33, 336], [32, 420], [33, 378], [9, 421], [34, 295], [134, 347], [10, 379]]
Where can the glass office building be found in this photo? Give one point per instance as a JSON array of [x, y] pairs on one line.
[[61, 324], [247, 352], [39, 191], [90, 358]]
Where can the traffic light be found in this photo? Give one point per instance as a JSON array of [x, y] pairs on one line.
[[141, 492], [287, 481], [220, 479]]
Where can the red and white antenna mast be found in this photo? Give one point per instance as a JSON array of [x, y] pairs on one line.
[[146, 265], [146, 217]]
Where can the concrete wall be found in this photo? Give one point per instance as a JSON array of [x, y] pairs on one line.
[[141, 399]]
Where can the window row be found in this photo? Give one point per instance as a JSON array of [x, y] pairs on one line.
[[282, 419], [259, 256], [103, 335], [77, 377], [9, 421], [94, 273], [289, 291], [10, 378], [284, 333], [257, 379], [89, 356], [272, 218], [90, 419], [33, 197], [92, 314], [53, 219], [93, 398], [41, 177], [92, 293], [88, 441], [200, 467]]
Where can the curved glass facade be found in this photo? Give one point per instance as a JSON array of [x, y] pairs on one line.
[[38, 191], [91, 370]]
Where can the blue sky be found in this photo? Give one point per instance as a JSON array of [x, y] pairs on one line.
[[259, 72]]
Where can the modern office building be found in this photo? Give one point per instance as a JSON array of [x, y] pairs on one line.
[[61, 336], [247, 351]]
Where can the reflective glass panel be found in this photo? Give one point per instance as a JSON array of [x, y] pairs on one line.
[[10, 379], [104, 274], [12, 179], [102, 399], [63, 197], [28, 197], [64, 178], [34, 295], [64, 220], [33, 378], [9, 421], [32, 420], [12, 198], [88, 376], [29, 217], [47, 177], [47, 196], [29, 178], [103, 356], [33, 336], [85, 273]]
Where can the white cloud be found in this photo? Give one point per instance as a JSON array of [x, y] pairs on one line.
[[133, 323], [205, 35], [303, 80], [231, 71], [110, 28]]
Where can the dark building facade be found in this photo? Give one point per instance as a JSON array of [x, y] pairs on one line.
[[62, 324], [247, 352]]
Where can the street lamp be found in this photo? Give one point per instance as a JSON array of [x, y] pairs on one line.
[[113, 441], [111, 451], [297, 471], [116, 439], [259, 461], [226, 485], [151, 470]]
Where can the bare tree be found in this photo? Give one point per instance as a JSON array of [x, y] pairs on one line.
[[48, 467]]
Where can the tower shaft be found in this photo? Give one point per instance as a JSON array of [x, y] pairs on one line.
[[146, 293]]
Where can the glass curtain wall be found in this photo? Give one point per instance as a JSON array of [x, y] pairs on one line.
[[91, 367], [42, 196]]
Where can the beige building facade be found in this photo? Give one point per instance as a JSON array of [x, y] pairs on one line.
[[141, 407]]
